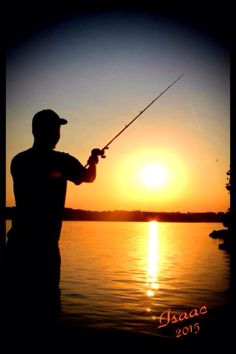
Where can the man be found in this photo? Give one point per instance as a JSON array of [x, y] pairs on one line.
[[40, 176]]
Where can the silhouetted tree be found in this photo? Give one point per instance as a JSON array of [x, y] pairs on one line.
[[227, 219], [228, 184]]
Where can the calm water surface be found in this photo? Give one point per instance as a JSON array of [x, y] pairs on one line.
[[123, 275]]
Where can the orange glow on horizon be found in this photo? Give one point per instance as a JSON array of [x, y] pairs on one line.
[[119, 185]]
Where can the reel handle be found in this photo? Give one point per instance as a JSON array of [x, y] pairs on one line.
[[99, 152]]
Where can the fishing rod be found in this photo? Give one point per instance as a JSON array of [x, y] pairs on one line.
[[101, 152]]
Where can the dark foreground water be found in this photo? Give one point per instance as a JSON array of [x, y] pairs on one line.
[[167, 283]]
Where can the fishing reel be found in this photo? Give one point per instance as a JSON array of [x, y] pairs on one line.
[[99, 152]]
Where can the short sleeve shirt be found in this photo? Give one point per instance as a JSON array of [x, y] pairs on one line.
[[40, 179]]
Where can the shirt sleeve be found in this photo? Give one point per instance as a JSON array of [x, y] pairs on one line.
[[74, 171]]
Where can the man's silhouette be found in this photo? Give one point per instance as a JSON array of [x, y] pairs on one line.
[[40, 176]]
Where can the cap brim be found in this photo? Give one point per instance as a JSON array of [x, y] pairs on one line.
[[63, 121]]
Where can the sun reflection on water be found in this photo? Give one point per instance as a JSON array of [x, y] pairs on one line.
[[152, 268], [152, 264]]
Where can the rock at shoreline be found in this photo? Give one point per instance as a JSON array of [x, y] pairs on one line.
[[221, 234], [225, 235]]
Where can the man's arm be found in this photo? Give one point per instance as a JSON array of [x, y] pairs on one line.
[[76, 172], [90, 172]]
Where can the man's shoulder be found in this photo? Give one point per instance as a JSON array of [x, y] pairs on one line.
[[67, 159], [29, 156], [21, 160], [63, 155], [22, 155], [32, 152]]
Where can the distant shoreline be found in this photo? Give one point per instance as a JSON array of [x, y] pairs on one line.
[[135, 215]]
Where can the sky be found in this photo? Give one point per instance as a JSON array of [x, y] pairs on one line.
[[99, 71]]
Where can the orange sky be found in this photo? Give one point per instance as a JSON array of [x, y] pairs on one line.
[[99, 75]]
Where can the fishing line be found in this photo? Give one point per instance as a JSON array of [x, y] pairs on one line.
[[101, 152]]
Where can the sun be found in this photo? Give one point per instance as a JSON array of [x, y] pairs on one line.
[[153, 175]]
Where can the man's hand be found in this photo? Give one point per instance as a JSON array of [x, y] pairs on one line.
[[99, 152], [93, 159]]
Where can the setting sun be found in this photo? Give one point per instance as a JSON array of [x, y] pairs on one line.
[[151, 178], [153, 175]]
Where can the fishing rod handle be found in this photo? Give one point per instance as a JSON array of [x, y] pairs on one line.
[[97, 152]]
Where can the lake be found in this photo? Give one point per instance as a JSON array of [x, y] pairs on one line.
[[124, 275]]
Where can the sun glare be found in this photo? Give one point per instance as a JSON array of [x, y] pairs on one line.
[[151, 179], [153, 175]]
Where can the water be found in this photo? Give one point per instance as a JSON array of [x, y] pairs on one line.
[[123, 275]]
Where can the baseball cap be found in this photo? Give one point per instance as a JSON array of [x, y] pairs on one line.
[[47, 118]]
